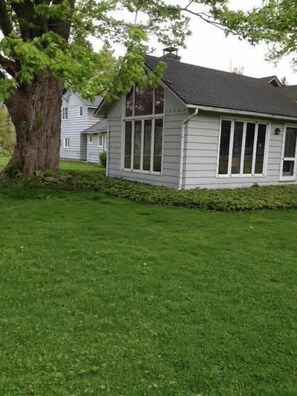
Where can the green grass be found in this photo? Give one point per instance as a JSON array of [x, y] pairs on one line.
[[102, 296], [81, 166], [64, 165]]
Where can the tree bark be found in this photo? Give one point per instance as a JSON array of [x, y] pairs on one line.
[[36, 113]]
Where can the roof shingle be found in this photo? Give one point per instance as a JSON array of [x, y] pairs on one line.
[[196, 85]]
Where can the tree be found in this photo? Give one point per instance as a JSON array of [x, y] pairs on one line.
[[274, 23], [7, 133]]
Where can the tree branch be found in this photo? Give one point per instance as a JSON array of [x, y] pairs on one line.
[[5, 22], [9, 66], [204, 17]]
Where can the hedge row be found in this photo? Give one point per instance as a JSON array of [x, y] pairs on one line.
[[256, 197]]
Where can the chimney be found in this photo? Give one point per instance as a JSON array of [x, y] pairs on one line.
[[171, 53]]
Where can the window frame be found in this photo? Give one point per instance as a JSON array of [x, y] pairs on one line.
[[66, 142], [245, 121], [151, 117], [90, 138], [283, 158], [65, 113]]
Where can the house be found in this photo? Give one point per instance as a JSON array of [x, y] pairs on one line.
[[203, 128], [83, 136]]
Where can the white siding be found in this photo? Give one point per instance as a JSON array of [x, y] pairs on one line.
[[175, 113], [72, 128]]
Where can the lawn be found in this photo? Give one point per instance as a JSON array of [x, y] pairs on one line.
[[64, 165], [102, 296]]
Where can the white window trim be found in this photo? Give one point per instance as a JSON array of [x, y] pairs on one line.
[[90, 138], [65, 142], [283, 158], [101, 135], [142, 118], [265, 159], [64, 112]]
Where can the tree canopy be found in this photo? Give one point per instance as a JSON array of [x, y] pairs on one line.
[[56, 37], [274, 22]]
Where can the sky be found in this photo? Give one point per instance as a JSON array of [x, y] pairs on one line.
[[209, 47]]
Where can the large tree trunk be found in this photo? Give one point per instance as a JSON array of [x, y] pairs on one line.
[[36, 113]]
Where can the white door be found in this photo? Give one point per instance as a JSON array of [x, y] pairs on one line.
[[288, 171]]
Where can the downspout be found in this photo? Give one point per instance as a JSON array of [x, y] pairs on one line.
[[107, 152], [182, 147]]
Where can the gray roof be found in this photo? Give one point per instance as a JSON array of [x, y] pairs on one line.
[[95, 103], [100, 126], [290, 91], [196, 85]]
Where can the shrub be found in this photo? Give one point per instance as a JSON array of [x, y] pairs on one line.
[[240, 199], [103, 158]]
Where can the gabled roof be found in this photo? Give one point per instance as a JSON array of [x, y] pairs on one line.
[[273, 80], [95, 103], [201, 86], [100, 126], [87, 103]]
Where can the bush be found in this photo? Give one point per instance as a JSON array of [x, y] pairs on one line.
[[240, 199], [103, 158], [7, 132]]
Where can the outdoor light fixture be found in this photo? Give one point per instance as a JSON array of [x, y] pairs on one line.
[[277, 131]]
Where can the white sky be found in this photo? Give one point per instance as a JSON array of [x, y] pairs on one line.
[[209, 47]]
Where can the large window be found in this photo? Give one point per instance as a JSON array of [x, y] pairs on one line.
[[143, 134], [242, 148]]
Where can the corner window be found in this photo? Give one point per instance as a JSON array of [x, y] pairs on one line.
[[143, 132], [90, 138], [101, 141], [67, 142], [242, 148], [64, 113]]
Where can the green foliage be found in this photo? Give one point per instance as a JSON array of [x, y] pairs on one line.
[[103, 296], [103, 158], [7, 133], [274, 22], [56, 37], [240, 199]]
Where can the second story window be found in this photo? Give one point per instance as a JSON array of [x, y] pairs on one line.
[[81, 111], [64, 113]]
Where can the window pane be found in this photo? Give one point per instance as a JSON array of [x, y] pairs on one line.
[[137, 145], [224, 147], [158, 145], [288, 168], [129, 104], [260, 148], [237, 145], [147, 139], [159, 100], [143, 101], [290, 144], [249, 146], [128, 137]]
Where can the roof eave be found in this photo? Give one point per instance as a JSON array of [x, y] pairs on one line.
[[241, 112]]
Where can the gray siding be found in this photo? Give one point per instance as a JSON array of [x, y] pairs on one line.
[[73, 126], [175, 113], [201, 149], [201, 155]]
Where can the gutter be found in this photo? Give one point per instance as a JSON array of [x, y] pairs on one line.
[[182, 146], [241, 112]]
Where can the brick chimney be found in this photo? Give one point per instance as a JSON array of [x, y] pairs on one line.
[[171, 53]]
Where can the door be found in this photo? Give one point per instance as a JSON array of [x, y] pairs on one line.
[[288, 171]]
